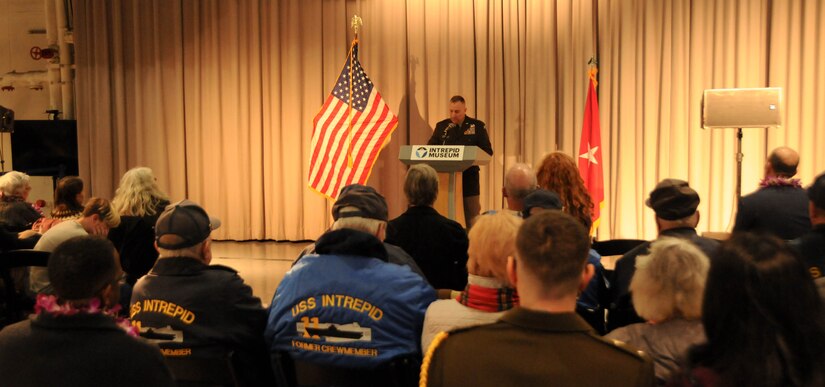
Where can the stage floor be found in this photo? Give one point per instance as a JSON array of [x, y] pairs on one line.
[[261, 264]]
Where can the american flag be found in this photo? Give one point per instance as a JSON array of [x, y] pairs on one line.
[[349, 131]]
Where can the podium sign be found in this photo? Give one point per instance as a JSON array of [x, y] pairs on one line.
[[438, 153], [448, 160]]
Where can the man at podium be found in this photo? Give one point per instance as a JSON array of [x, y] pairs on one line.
[[462, 130]]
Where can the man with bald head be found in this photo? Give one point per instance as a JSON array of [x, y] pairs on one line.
[[780, 206], [519, 181]]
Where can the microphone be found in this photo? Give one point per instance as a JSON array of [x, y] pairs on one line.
[[446, 131]]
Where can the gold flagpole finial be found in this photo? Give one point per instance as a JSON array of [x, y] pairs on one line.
[[356, 23]]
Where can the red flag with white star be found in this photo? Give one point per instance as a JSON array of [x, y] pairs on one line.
[[590, 152]]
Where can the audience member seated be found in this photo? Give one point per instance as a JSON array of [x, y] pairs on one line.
[[97, 218], [139, 202], [543, 341], [764, 321], [779, 207], [811, 246], [347, 306], [667, 291], [488, 293], [75, 339], [11, 241], [68, 204], [437, 244], [559, 173], [674, 204], [519, 181], [362, 208], [193, 309], [592, 302], [15, 212]]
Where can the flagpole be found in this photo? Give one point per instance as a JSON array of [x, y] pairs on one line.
[[356, 24]]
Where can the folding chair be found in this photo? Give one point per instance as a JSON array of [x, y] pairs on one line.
[[212, 371], [17, 303], [398, 372]]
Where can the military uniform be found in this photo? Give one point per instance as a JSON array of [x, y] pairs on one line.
[[472, 132], [531, 348]]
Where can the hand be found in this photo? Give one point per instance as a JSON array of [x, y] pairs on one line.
[[100, 230]]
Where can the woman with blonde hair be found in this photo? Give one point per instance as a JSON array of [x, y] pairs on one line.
[[139, 201], [667, 291], [559, 173], [488, 293]]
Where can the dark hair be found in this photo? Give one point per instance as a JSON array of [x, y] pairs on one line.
[[553, 246], [80, 267], [65, 195], [763, 318], [559, 173], [457, 98], [780, 167]]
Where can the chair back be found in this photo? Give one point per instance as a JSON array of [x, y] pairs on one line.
[[616, 246], [211, 371], [398, 372], [17, 303]]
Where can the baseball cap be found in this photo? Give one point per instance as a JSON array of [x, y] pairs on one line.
[[183, 224], [816, 192], [541, 198], [673, 199], [367, 200]]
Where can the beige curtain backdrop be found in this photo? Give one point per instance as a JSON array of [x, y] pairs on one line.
[[218, 97]]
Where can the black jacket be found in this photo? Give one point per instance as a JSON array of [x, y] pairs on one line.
[[781, 211], [209, 309], [621, 311], [18, 215], [79, 350], [134, 239], [811, 247], [438, 245]]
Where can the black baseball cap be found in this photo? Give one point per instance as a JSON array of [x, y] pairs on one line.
[[541, 198], [183, 224], [367, 200]]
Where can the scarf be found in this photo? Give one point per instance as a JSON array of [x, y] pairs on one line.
[[48, 304], [779, 181], [487, 294]]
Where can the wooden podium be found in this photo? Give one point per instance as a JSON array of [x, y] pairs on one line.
[[449, 161]]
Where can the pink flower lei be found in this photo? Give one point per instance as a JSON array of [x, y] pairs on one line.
[[48, 304], [779, 181]]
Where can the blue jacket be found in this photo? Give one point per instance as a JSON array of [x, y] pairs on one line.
[[348, 310]]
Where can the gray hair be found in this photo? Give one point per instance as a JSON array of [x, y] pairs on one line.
[[366, 225], [12, 182], [514, 181], [421, 185], [670, 281]]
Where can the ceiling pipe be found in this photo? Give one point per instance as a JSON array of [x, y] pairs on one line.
[[64, 38], [53, 68]]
